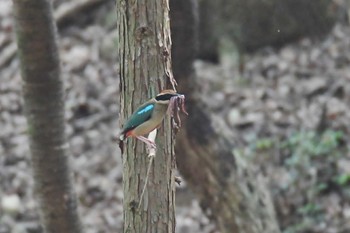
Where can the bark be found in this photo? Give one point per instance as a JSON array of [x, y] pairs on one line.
[[145, 61], [44, 108], [238, 199]]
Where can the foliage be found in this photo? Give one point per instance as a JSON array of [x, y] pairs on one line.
[[310, 160], [308, 144]]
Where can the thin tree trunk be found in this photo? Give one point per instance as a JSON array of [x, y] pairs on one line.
[[44, 108], [144, 53], [238, 200]]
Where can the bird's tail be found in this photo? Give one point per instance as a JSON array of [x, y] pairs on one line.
[[121, 143], [122, 137]]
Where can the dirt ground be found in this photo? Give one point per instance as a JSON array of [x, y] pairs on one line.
[[288, 111]]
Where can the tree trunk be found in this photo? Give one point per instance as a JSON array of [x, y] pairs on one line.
[[225, 184], [238, 200], [254, 24], [209, 34], [184, 9], [44, 108], [145, 64]]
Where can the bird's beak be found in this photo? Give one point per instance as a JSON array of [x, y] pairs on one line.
[[178, 95]]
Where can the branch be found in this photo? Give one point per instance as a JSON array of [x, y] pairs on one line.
[[152, 153], [8, 54]]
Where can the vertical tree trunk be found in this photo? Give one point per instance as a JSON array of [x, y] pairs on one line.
[[44, 108], [144, 53], [238, 200], [184, 22], [209, 26]]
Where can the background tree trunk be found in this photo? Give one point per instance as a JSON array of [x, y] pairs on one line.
[[144, 52], [238, 199], [254, 24], [184, 9], [208, 33], [44, 107]]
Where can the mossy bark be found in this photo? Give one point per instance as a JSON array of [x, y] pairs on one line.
[[44, 108], [145, 68]]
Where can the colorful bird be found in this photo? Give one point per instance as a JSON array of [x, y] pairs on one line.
[[147, 117]]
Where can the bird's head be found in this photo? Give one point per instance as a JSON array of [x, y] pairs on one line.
[[164, 96]]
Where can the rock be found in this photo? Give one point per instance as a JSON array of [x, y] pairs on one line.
[[11, 204], [7, 223], [346, 212], [288, 54], [237, 120], [234, 116], [344, 166], [5, 8], [284, 90], [77, 57], [283, 66], [336, 107], [315, 54], [314, 86]]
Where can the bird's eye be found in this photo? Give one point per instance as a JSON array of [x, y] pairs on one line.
[[164, 97]]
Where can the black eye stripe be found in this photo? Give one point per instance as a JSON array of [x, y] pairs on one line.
[[164, 97]]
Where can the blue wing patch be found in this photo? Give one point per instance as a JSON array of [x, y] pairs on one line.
[[142, 114], [146, 109]]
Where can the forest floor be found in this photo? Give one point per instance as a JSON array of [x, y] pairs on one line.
[[288, 111]]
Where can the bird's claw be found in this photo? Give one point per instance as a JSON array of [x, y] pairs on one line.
[[152, 147], [152, 150]]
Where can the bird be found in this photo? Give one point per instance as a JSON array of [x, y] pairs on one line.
[[148, 117]]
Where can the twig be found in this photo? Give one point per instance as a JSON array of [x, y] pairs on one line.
[[152, 153], [8, 53], [146, 180]]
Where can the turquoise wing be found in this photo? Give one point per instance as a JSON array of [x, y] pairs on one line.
[[142, 114]]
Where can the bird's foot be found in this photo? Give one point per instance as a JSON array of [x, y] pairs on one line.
[[152, 148], [150, 144]]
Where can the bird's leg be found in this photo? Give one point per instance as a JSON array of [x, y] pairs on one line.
[[149, 143], [152, 137]]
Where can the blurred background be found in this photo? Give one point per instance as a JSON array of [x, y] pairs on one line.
[[275, 72]]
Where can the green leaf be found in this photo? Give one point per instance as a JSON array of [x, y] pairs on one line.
[[343, 179]]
